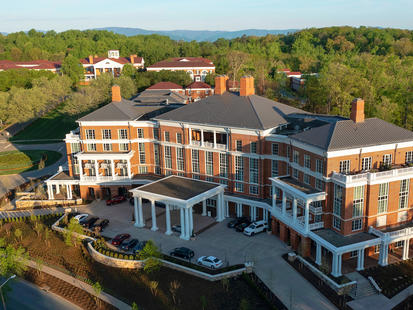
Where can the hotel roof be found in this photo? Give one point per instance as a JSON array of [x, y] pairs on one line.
[[187, 62]]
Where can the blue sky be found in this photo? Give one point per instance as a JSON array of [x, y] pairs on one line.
[[203, 15]]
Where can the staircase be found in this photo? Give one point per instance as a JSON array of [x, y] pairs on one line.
[[364, 287]]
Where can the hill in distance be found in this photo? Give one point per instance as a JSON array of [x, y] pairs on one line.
[[196, 35]]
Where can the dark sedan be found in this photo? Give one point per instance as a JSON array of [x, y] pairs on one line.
[[183, 252], [119, 239], [89, 222], [115, 200], [139, 247], [242, 226], [100, 224], [237, 221], [128, 245]]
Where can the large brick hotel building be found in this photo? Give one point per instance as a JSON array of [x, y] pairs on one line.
[[328, 185]]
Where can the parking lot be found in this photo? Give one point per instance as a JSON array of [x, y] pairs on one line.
[[232, 247]]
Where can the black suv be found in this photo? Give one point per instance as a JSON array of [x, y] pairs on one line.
[[182, 253], [240, 227], [237, 221], [89, 222], [100, 224]]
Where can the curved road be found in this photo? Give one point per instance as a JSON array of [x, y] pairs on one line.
[[25, 295], [8, 182]]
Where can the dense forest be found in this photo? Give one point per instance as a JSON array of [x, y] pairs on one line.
[[375, 64]]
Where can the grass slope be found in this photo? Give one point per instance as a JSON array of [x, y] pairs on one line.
[[13, 162]]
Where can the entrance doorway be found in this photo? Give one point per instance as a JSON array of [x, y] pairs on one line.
[[91, 193]]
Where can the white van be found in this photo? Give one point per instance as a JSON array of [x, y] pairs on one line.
[[256, 228]]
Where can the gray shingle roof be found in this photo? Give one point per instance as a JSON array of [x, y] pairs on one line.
[[160, 96], [232, 110], [346, 134], [124, 110]]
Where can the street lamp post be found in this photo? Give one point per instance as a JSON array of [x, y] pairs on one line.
[[1, 292]]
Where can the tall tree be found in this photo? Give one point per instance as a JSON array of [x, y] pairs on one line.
[[72, 68]]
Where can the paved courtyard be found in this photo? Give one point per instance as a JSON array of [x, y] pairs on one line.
[[232, 247]]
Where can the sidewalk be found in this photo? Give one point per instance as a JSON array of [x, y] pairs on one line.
[[80, 284]]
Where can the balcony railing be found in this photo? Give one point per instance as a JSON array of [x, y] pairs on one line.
[[105, 178], [392, 234], [197, 143], [316, 225], [372, 176], [316, 210], [221, 146], [208, 144]]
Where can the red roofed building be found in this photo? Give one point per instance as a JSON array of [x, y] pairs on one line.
[[95, 66], [197, 67], [198, 90], [52, 66], [168, 86]]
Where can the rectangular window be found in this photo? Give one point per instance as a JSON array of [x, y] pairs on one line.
[[209, 163], [142, 158], [179, 138], [336, 223], [195, 161], [140, 133], [383, 197], [157, 158], [345, 166], [288, 152], [402, 216], [91, 147], [166, 135], [75, 147], [319, 166], [239, 145], [409, 157], [168, 157], [223, 165], [123, 147], [319, 184], [275, 149], [239, 187], [123, 134], [306, 178], [338, 199], [274, 168], [356, 224], [156, 133], [239, 168], [143, 169], [296, 156], [354, 254], [107, 147], [404, 194], [253, 189], [180, 163], [254, 170], [76, 169], [366, 163], [387, 159], [90, 134], [253, 147], [307, 161], [295, 173], [358, 201], [106, 134]]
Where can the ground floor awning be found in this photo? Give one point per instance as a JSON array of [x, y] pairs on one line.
[[61, 179]]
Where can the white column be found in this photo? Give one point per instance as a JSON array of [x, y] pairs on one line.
[[191, 221], [384, 254], [112, 166], [186, 224], [129, 170], [284, 203], [135, 205], [154, 227], [141, 219], [202, 137], [57, 188], [360, 259], [239, 209], [97, 169], [215, 139], [406, 244], [168, 220], [274, 199], [190, 135], [50, 191], [220, 207], [80, 169], [69, 191], [294, 210], [318, 254], [204, 208], [339, 264], [336, 268], [227, 208], [265, 215], [182, 210], [307, 216]]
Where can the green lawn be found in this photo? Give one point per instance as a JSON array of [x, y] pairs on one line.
[[13, 162], [54, 125]]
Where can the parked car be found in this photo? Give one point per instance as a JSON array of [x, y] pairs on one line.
[[183, 252], [210, 262], [129, 244], [242, 226], [81, 217], [119, 239], [176, 228], [256, 228], [89, 222], [139, 247], [115, 200], [237, 221], [100, 224]]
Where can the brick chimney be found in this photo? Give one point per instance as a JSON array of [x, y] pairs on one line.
[[247, 86], [116, 97], [357, 110], [91, 59], [220, 84], [132, 58]]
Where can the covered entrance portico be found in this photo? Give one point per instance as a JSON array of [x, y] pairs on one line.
[[62, 186], [177, 193]]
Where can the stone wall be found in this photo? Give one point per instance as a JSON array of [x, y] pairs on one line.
[[26, 202]]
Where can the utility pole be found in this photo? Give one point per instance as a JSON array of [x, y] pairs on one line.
[[1, 292]]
